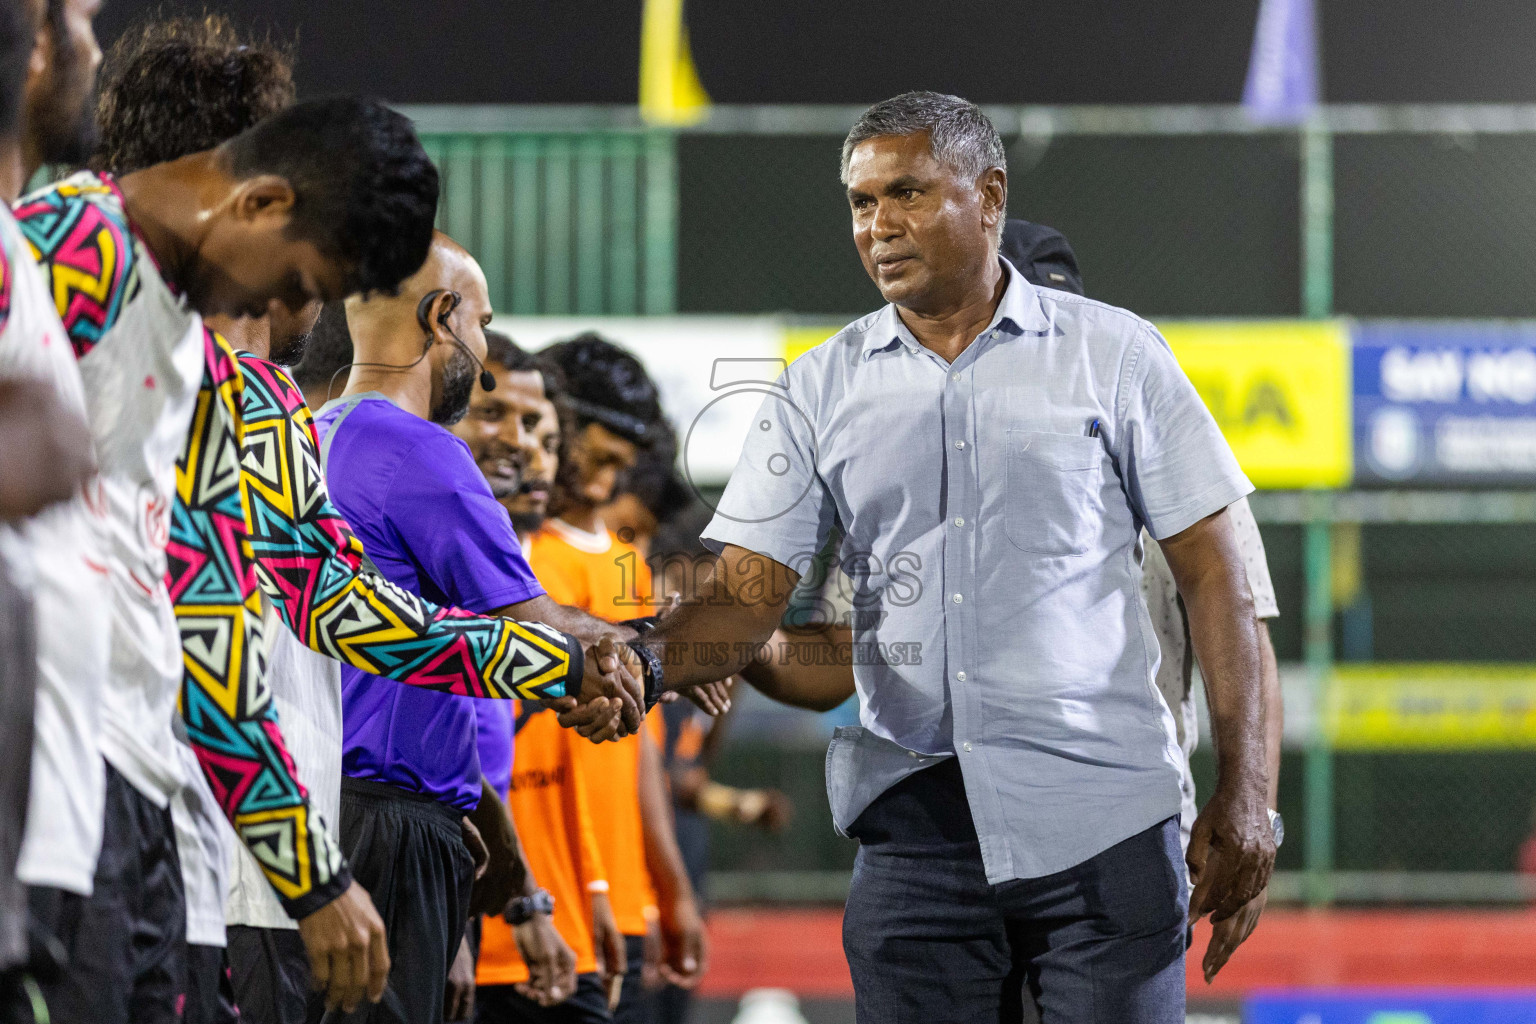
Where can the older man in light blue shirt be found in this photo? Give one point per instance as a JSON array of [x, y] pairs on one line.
[[988, 453]]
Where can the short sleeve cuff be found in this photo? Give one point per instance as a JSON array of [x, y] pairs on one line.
[[501, 597], [723, 530], [1208, 502]]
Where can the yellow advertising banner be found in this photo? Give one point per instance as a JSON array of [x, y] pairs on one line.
[[1431, 706], [800, 340], [1280, 390]]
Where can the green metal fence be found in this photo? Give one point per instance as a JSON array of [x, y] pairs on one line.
[[564, 222]]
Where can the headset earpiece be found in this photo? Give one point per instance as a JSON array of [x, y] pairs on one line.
[[424, 312]]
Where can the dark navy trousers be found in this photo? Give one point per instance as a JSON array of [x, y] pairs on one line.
[[929, 941]]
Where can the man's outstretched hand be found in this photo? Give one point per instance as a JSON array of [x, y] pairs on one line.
[[714, 699], [611, 703], [348, 959]]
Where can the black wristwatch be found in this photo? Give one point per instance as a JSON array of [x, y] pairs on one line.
[[650, 672], [522, 909]]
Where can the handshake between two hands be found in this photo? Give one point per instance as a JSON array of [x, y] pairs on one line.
[[611, 703]]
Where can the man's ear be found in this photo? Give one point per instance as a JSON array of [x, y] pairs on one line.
[[994, 196], [265, 195], [438, 312]]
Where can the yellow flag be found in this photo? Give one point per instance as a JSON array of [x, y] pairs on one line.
[[670, 90]]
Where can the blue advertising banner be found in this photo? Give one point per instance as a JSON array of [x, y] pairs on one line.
[[1445, 403], [1390, 1008]]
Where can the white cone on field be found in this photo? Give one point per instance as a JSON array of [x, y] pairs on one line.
[[769, 1006]]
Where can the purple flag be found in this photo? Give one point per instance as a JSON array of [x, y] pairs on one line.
[[1283, 73]]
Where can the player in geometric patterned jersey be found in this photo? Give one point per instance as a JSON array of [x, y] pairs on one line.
[[310, 566], [238, 238], [268, 523]]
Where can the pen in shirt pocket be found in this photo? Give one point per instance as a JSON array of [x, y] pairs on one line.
[[1093, 429]]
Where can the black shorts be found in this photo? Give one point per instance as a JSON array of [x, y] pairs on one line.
[[124, 946], [210, 990], [500, 1004], [269, 969], [408, 851], [634, 1001]]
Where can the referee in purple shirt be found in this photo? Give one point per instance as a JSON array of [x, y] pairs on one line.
[[413, 495]]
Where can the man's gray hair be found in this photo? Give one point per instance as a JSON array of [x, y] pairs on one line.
[[960, 136]]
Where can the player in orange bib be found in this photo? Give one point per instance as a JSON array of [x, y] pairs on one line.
[[514, 434], [598, 876], [614, 413]]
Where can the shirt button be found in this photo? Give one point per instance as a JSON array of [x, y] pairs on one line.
[[960, 676], [958, 599], [913, 753], [966, 747], [959, 520], [960, 445], [954, 376]]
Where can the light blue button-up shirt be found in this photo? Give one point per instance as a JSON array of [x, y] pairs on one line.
[[990, 511]]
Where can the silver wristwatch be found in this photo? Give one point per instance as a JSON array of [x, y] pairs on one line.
[[1277, 823], [522, 909]]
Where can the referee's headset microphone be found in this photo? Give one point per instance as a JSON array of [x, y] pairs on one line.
[[424, 310], [423, 320]]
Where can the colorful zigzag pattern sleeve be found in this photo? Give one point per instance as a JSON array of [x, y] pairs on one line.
[[311, 567], [225, 700]]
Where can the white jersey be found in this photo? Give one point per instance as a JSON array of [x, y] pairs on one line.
[[204, 839], [63, 546], [1175, 670], [306, 689], [140, 349]]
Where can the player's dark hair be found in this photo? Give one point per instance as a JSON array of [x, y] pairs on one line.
[[365, 190], [512, 357], [17, 34], [328, 350], [176, 86], [654, 478], [605, 384]]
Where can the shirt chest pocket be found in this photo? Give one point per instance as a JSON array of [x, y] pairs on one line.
[[1054, 505]]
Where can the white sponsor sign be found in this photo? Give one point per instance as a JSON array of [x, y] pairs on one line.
[[705, 367]]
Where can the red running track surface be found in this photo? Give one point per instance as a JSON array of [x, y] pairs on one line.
[[802, 950]]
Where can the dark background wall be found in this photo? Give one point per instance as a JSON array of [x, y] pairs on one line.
[[856, 51]]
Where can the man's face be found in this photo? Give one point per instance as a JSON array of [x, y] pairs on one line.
[[453, 371], [290, 330], [598, 456], [248, 264], [514, 435], [61, 83], [923, 233]]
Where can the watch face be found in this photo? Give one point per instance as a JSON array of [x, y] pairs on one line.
[[543, 902], [1277, 823]]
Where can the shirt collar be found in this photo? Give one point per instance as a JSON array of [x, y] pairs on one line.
[[1018, 313]]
